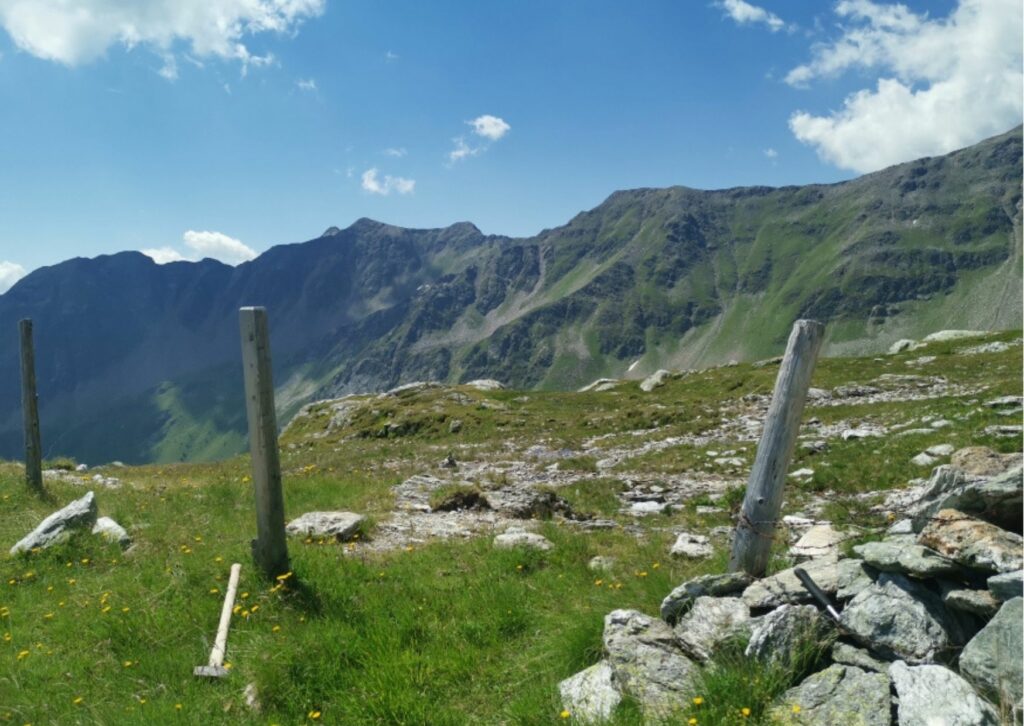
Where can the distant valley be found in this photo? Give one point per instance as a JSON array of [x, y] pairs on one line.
[[140, 362]]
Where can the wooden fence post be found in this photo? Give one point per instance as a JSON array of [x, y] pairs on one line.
[[755, 530], [30, 410], [269, 549]]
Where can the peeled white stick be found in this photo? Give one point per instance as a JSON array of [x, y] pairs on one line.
[[215, 668]]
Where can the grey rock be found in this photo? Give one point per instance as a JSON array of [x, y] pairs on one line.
[[818, 394], [940, 450], [1005, 402], [784, 587], [339, 525], [906, 557], [526, 503], [903, 527], [931, 694], [852, 577], [647, 507], [855, 391], [859, 433], [973, 543], [647, 662], [840, 694], [923, 459], [1007, 585], [590, 696], [711, 622], [692, 546], [111, 531], [529, 540], [976, 602], [899, 618], [942, 336], [486, 384], [789, 635], [655, 380], [681, 598], [82, 467], [57, 527], [601, 384], [904, 344], [998, 500], [992, 661], [601, 563], [847, 654], [818, 541], [941, 424], [983, 461]]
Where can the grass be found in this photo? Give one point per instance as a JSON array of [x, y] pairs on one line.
[[447, 632]]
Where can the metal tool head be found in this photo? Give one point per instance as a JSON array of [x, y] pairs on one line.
[[210, 671]]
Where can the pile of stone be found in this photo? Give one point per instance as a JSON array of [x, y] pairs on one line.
[[928, 629]]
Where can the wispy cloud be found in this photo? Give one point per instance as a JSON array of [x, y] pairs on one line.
[[10, 273], [391, 57], [374, 184], [394, 152], [771, 153], [491, 128], [746, 14], [306, 84], [203, 244], [942, 83]]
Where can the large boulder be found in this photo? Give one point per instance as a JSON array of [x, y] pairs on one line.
[[843, 578], [680, 599], [342, 526], [992, 661], [58, 527], [899, 618], [840, 694], [973, 542], [906, 557], [111, 531], [712, 622], [647, 662], [792, 635], [590, 696], [930, 694], [998, 500]]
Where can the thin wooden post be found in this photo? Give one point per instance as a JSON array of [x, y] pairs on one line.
[[752, 543], [269, 549], [30, 410]]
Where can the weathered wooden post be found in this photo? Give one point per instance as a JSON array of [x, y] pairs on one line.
[[269, 549], [755, 530], [30, 410]]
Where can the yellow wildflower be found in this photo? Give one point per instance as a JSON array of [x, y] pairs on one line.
[[565, 714], [698, 700]]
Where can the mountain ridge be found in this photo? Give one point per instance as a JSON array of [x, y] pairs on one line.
[[138, 361]]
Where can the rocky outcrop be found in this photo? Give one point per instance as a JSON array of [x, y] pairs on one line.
[[932, 694], [59, 526]]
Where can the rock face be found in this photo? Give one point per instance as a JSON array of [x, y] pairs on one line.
[[342, 526], [647, 662], [590, 696], [80, 514], [900, 618], [992, 660], [930, 695], [973, 543], [711, 622], [680, 599], [785, 635], [530, 540], [840, 694]]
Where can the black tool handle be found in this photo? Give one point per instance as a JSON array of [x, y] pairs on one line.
[[816, 592]]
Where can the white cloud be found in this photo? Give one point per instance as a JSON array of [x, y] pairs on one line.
[[942, 84], [771, 153], [462, 150], [10, 273], [391, 57], [375, 185], [744, 13], [307, 84], [397, 153], [204, 244], [80, 31], [490, 127]]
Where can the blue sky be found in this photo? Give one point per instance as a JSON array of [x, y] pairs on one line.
[[222, 127]]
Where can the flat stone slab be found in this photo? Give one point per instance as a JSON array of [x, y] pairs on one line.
[[590, 696], [1007, 585], [840, 694], [992, 661], [843, 578], [973, 543], [899, 618], [58, 527], [931, 694], [339, 525], [907, 557], [818, 541], [681, 598], [976, 602]]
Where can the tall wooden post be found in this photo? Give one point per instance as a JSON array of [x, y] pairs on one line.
[[30, 410], [755, 530], [269, 549]]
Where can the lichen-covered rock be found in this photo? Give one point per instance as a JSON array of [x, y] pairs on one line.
[[973, 543], [846, 654], [931, 694], [79, 514], [1007, 585], [829, 573], [791, 634], [840, 694], [680, 599], [981, 461], [647, 662], [899, 618], [711, 622], [590, 696], [342, 526], [992, 661], [906, 557], [111, 531]]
